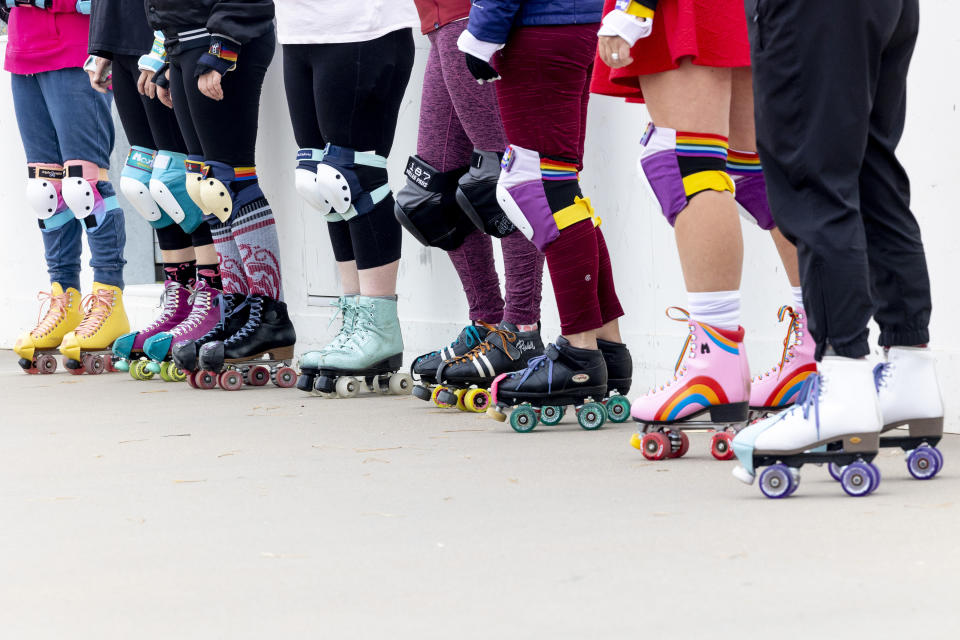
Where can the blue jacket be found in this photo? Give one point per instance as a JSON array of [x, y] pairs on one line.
[[492, 20]]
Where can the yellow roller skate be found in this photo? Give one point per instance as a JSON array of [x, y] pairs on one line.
[[87, 348], [36, 346]]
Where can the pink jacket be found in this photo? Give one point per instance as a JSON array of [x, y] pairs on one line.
[[46, 39]]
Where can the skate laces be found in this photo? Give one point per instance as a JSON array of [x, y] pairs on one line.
[[688, 346], [532, 365], [472, 339], [256, 310], [200, 301], [96, 307], [880, 374], [56, 309], [169, 300], [485, 346], [793, 331]]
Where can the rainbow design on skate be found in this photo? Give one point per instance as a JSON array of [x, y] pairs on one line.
[[786, 392], [702, 392], [728, 345]]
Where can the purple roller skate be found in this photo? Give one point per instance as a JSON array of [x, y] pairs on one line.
[[128, 348], [205, 313]]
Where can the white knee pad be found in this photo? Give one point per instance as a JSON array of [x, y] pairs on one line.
[[80, 188], [333, 189], [43, 189]]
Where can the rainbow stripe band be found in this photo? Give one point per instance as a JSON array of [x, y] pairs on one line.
[[701, 145], [743, 162], [244, 173], [228, 54], [701, 392], [558, 170]]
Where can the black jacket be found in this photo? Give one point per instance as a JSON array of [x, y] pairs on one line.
[[119, 27], [237, 20]]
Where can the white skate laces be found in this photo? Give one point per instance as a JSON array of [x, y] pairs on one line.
[[167, 306], [57, 307], [96, 307], [200, 304]]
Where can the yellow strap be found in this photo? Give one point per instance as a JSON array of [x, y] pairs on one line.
[[581, 209], [637, 9], [707, 180]]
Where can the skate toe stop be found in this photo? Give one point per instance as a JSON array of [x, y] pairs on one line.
[[743, 475]]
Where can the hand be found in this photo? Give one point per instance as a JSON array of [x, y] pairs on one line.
[[481, 69], [145, 84], [98, 72], [163, 93], [209, 85], [611, 46]]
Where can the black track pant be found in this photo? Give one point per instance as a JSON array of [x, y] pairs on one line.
[[830, 85], [349, 94]]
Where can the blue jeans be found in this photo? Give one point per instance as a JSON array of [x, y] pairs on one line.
[[62, 118]]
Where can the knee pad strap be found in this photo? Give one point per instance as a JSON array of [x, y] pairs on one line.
[[194, 179], [169, 187], [426, 206], [477, 195], [223, 191], [339, 186]]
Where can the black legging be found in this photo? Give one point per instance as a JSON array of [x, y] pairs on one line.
[[151, 125], [349, 94]]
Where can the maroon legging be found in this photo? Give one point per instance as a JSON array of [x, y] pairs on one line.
[[543, 99], [456, 116]]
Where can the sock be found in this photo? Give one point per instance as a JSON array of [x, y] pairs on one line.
[[720, 309], [210, 273], [182, 272], [255, 234], [797, 298], [526, 327], [231, 266]]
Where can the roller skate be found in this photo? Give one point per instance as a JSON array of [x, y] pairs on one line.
[[463, 381], [836, 420], [233, 315], [259, 352], [36, 347], [564, 375], [310, 361], [205, 312], [424, 368], [373, 353], [87, 348], [779, 387], [619, 378], [128, 349], [711, 377]]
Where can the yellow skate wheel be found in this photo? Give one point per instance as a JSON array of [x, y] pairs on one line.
[[496, 414], [460, 394], [436, 399], [476, 400]]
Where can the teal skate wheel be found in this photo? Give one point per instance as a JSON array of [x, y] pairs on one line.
[[523, 419], [550, 415], [618, 409], [592, 415]]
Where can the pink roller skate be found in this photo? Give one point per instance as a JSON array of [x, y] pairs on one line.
[[206, 311], [779, 387], [712, 376], [128, 349]]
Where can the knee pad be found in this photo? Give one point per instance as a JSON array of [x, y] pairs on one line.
[[305, 181], [222, 190], [347, 182], [522, 193], [477, 195], [168, 186], [44, 183], [426, 206], [678, 166], [194, 179], [751, 194], [134, 184], [81, 194]]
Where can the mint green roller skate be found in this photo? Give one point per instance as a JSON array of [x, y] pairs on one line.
[[310, 361]]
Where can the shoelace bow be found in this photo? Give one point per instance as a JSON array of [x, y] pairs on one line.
[[485, 345], [788, 344], [57, 307], [96, 307], [807, 397]]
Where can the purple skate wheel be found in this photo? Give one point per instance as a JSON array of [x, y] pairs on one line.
[[776, 481], [858, 479], [835, 471], [922, 463]]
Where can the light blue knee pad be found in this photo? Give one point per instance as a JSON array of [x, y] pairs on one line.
[[135, 186], [168, 186]]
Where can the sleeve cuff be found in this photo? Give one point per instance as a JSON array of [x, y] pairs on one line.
[[221, 56], [468, 43]]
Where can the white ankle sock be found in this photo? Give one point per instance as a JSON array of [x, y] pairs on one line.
[[719, 309], [797, 298]]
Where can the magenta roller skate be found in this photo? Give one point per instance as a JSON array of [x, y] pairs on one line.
[[128, 348], [778, 388]]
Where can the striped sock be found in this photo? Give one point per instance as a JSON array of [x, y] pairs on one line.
[[255, 234]]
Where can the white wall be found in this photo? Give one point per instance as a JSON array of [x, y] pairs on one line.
[[644, 258]]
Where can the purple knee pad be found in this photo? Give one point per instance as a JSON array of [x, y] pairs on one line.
[[752, 196], [658, 164]]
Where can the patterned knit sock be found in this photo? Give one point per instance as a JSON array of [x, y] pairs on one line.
[[231, 266], [210, 273], [182, 272], [255, 235]]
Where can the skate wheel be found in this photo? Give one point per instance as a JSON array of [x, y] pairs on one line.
[[523, 419], [460, 394], [347, 387], [164, 371], [939, 455], [776, 481], [476, 400], [421, 392], [46, 364], [175, 373], [192, 379], [285, 377], [444, 397], [154, 368], [795, 474], [835, 471], [400, 384], [231, 380], [551, 415], [31, 371], [679, 444], [591, 416], [858, 479], [205, 379], [618, 409], [636, 441], [922, 463], [655, 445], [496, 414], [94, 365], [258, 376], [720, 445]]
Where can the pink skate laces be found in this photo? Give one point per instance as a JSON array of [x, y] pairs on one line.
[[56, 307], [96, 307]]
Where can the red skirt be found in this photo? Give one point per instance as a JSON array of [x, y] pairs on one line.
[[712, 32]]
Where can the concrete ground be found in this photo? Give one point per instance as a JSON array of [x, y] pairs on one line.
[[152, 510]]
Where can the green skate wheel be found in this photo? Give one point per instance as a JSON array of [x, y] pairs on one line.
[[550, 415], [139, 370], [164, 371], [618, 409], [171, 372], [592, 416], [523, 419]]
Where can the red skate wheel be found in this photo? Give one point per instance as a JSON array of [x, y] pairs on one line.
[[655, 446], [720, 446], [46, 364], [231, 380], [285, 377], [684, 445], [192, 379], [31, 370], [205, 380], [258, 376], [94, 365]]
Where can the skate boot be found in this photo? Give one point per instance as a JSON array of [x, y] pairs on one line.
[[425, 366], [233, 315], [36, 347], [373, 352], [205, 312], [779, 387], [711, 377], [835, 420], [240, 358], [87, 348], [910, 395], [619, 378], [310, 361], [128, 348], [463, 381], [564, 375]]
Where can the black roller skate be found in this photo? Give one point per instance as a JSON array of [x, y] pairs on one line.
[[259, 352], [235, 313], [619, 378], [564, 375], [463, 381], [424, 368]]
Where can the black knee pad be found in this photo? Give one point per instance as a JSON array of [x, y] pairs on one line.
[[427, 207], [477, 195]]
